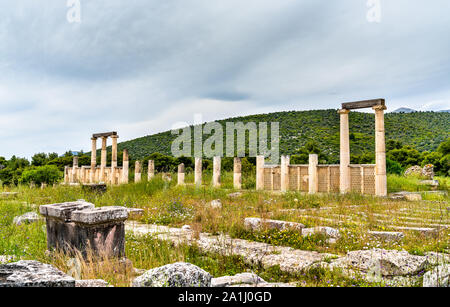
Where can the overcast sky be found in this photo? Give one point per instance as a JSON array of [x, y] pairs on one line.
[[139, 66]]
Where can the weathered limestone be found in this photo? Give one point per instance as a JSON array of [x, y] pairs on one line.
[[387, 235], [181, 174], [238, 279], [215, 204], [237, 173], [285, 160], [254, 223], [126, 166], [75, 169], [329, 232], [260, 172], [216, 171], [411, 196], [91, 283], [93, 160], [438, 277], [103, 159], [26, 273], [345, 180], [313, 174], [138, 171], [151, 170], [198, 171], [178, 274], [380, 152], [27, 218], [80, 226], [114, 159]]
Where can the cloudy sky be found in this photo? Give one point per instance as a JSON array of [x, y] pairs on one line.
[[140, 66]]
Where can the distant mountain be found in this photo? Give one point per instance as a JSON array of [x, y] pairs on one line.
[[421, 130], [404, 110], [445, 111]]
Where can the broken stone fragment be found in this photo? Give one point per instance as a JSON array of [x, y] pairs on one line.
[[91, 283], [387, 235], [27, 218], [328, 232], [254, 223], [215, 204], [438, 277], [27, 273], [238, 279], [178, 274]]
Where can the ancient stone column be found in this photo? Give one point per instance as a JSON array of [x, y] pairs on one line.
[[285, 161], [126, 166], [181, 174], [114, 159], [103, 159], [138, 171], [198, 171], [151, 170], [216, 171], [380, 152], [313, 174], [75, 175], [260, 172], [344, 178], [66, 175], [237, 173], [93, 160]]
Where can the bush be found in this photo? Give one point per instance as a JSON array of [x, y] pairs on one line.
[[48, 174], [393, 167]]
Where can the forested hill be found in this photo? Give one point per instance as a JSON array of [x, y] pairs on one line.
[[422, 130]]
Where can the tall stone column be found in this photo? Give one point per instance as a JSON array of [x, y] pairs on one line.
[[103, 159], [66, 175], [237, 173], [181, 170], [260, 172], [151, 170], [93, 160], [344, 178], [285, 161], [137, 172], [114, 159], [198, 171], [216, 171], [125, 166], [380, 152]]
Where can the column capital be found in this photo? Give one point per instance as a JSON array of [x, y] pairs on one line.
[[379, 108], [93, 139], [343, 111], [114, 136]]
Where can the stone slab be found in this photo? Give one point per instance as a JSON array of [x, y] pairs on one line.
[[100, 215], [26, 273], [63, 211], [258, 224], [387, 235]]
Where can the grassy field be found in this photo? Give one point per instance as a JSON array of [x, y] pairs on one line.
[[164, 203]]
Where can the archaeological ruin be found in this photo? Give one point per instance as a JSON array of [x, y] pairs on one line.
[[311, 178]]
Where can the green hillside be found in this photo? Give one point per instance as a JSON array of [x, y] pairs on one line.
[[422, 130]]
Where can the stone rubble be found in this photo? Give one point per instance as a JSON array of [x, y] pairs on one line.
[[387, 235], [238, 279], [91, 283], [215, 204], [438, 277], [329, 232]]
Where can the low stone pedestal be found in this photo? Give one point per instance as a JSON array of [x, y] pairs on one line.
[[95, 187], [33, 274], [80, 226]]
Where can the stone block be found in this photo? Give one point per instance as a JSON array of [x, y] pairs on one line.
[[259, 224], [387, 235], [33, 274], [79, 226]]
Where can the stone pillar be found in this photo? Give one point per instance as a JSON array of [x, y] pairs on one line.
[[380, 153], [260, 172], [237, 173], [66, 175], [103, 159], [138, 171], [181, 174], [93, 160], [198, 171], [126, 166], [313, 174], [151, 170], [285, 161], [216, 171], [344, 178], [114, 159], [75, 174]]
